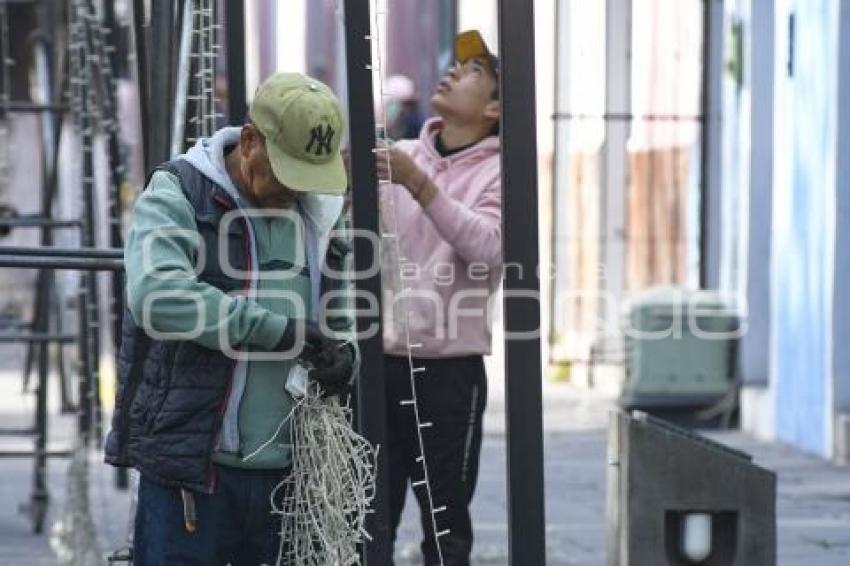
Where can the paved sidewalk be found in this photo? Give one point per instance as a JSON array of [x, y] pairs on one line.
[[813, 505]]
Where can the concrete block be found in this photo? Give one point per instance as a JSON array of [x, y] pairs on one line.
[[659, 474]]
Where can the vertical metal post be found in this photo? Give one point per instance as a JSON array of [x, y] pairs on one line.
[[84, 383], [116, 165], [237, 105], [90, 278], [44, 55], [142, 77], [710, 202], [45, 280], [364, 182], [39, 498], [161, 77], [523, 371]]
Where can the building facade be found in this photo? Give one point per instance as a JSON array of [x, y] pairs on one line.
[[786, 187]]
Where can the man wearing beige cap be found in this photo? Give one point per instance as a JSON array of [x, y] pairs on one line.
[[224, 264]]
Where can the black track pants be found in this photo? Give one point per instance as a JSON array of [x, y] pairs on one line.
[[451, 394]]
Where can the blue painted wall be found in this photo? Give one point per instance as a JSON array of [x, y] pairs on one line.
[[803, 213], [841, 301]]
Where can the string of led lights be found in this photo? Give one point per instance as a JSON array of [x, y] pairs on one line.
[[391, 236], [6, 63], [206, 47]]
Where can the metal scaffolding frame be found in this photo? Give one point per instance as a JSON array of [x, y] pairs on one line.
[[46, 326]]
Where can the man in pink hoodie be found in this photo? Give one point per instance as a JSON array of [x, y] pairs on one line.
[[441, 266]]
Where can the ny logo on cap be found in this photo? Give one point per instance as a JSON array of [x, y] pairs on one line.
[[322, 137]]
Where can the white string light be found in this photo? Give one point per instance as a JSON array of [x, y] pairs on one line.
[[205, 49], [381, 152], [5, 97], [88, 112]]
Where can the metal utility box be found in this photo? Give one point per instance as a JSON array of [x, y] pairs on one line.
[[659, 474], [679, 349]]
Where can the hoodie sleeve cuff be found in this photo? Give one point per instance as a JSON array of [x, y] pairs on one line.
[[270, 332]]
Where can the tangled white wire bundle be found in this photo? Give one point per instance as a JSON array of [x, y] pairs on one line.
[[324, 502]]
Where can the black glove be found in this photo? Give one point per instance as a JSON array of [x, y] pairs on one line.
[[332, 367], [311, 334]]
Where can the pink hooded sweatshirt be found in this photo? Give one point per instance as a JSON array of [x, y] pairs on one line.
[[441, 265]]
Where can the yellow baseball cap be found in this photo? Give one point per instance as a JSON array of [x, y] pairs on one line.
[[469, 45], [302, 122]]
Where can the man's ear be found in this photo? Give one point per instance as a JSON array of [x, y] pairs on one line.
[[493, 110], [248, 138]]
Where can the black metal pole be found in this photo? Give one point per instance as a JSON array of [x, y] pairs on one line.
[[161, 78], [70, 263], [237, 105], [48, 251], [37, 337], [44, 47], [37, 222], [523, 363], [84, 384], [89, 231], [34, 108], [143, 78], [39, 493], [705, 140], [117, 169], [371, 394]]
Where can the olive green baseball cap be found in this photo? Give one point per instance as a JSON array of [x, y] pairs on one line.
[[302, 122]]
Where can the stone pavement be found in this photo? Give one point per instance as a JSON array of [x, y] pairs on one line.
[[813, 506]]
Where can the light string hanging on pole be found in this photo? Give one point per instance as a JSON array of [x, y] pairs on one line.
[[83, 113], [93, 105], [6, 62], [205, 50], [391, 236]]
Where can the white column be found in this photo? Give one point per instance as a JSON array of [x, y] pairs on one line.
[[757, 398], [561, 170], [614, 162], [754, 362], [841, 299], [711, 228]]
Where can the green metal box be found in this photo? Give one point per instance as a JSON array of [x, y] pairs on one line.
[[680, 348]]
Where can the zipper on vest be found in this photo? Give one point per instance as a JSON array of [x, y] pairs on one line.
[[212, 478]]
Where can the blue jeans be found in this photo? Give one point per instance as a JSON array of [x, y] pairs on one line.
[[233, 526]]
